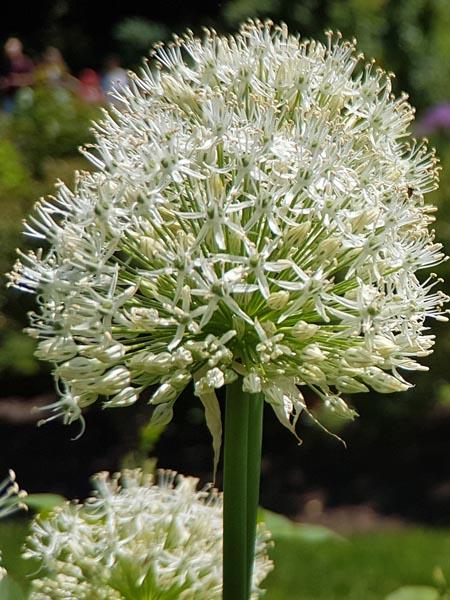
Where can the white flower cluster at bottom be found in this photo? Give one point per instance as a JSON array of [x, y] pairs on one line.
[[137, 539]]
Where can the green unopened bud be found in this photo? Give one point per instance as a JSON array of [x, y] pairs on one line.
[[327, 248], [312, 374], [213, 379], [147, 288], [148, 246], [359, 357], [362, 219], [384, 346], [164, 394], [125, 397], [113, 381], [270, 328]]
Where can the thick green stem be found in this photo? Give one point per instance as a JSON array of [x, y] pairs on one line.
[[242, 463], [255, 428], [235, 494]]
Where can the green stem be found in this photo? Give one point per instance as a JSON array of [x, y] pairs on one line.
[[255, 428], [235, 494], [242, 465]]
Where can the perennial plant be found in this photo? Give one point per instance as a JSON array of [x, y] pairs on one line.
[[256, 220]]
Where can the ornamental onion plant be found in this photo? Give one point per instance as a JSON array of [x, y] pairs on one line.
[[256, 220]]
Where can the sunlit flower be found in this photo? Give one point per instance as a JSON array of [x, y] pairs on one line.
[[136, 539], [257, 209]]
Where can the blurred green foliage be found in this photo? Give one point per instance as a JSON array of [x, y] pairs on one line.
[[49, 121], [13, 174], [368, 567], [439, 591], [136, 35], [142, 454], [415, 592], [38, 144]]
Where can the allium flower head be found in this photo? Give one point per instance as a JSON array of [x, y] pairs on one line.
[[139, 540], [257, 209]]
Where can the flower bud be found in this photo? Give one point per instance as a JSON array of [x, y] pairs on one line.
[[382, 382], [278, 300], [312, 353], [304, 331]]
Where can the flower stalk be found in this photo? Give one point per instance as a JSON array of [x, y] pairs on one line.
[[255, 430], [242, 461]]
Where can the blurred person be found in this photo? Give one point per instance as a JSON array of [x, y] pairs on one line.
[[19, 72], [89, 87], [114, 78], [53, 69]]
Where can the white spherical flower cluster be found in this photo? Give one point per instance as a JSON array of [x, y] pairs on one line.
[[136, 539], [257, 210]]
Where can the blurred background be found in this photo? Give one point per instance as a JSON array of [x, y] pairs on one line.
[[389, 489]]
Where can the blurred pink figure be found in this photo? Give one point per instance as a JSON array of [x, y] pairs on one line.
[[19, 73], [90, 89]]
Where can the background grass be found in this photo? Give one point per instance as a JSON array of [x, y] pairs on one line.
[[364, 567]]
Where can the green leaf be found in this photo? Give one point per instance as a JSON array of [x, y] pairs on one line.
[[414, 592], [281, 526], [43, 503], [10, 590]]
